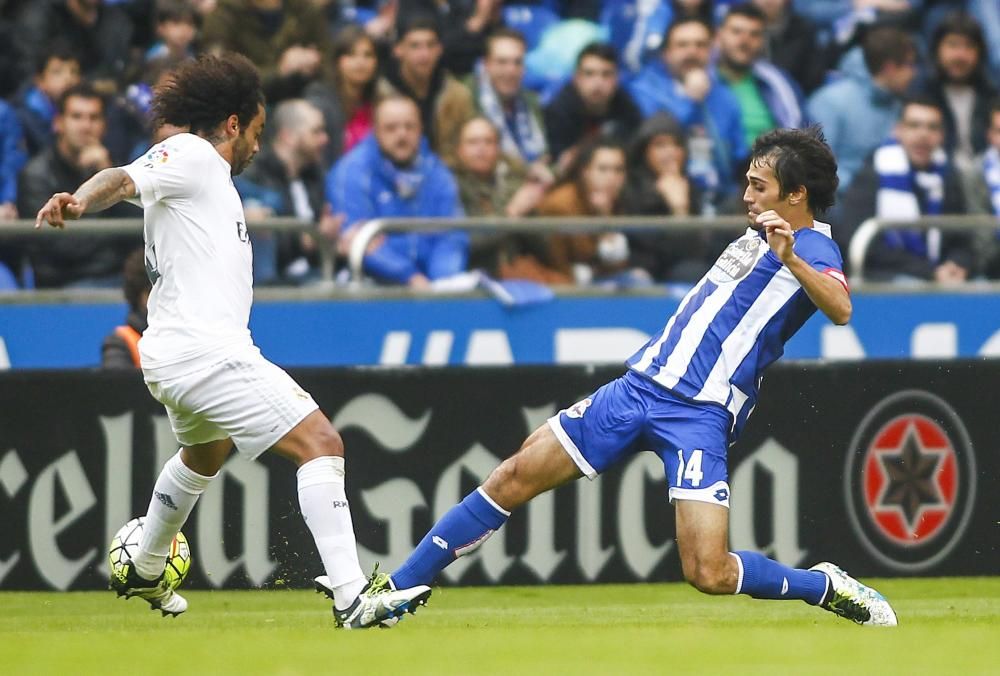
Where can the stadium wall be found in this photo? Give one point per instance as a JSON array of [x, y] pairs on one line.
[[888, 468], [477, 330]]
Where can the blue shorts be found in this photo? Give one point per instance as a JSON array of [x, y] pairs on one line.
[[633, 414]]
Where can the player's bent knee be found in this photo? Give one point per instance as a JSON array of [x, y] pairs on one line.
[[708, 578], [501, 482], [705, 581], [313, 438], [508, 485], [325, 442]]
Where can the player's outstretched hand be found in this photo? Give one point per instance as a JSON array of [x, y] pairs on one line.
[[779, 234], [58, 209]]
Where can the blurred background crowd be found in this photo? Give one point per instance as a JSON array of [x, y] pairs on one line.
[[450, 108]]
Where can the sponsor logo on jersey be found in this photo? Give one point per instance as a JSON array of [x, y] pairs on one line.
[[910, 480], [241, 231], [737, 260]]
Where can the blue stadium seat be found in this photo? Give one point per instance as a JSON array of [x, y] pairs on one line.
[[551, 63], [358, 15], [531, 20]]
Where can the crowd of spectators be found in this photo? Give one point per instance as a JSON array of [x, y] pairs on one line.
[[445, 108]]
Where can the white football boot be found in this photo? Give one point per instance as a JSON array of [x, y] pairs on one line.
[[155, 592], [854, 601]]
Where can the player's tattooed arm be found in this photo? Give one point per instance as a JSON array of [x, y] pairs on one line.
[[105, 189]]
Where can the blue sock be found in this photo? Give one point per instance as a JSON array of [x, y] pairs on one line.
[[763, 578], [460, 531]]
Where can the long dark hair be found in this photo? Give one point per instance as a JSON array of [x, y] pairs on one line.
[[343, 42], [962, 23], [203, 94], [574, 174]]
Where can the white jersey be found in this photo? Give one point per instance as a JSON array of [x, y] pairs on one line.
[[197, 255]]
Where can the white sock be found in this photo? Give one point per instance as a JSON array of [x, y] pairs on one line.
[[174, 496], [326, 512]]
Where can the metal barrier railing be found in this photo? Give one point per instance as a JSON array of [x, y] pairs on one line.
[[856, 254], [133, 226], [861, 241], [532, 224]]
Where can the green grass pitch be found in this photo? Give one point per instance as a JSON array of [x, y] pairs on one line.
[[947, 626]]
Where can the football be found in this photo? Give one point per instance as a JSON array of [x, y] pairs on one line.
[[125, 544]]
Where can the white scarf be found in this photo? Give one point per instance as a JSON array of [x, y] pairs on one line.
[[532, 139]]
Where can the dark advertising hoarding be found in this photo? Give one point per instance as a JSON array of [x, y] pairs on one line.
[[885, 468]]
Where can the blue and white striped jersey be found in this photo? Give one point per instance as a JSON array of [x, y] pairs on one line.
[[735, 322]]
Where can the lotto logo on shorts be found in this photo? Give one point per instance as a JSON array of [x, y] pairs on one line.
[[578, 409]]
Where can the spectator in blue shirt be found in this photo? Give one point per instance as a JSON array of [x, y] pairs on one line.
[[682, 85], [12, 158], [56, 72], [393, 174], [859, 111]]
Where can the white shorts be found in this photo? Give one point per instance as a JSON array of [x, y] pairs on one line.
[[244, 397]]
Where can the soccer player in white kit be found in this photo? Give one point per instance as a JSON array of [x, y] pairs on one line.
[[197, 355]]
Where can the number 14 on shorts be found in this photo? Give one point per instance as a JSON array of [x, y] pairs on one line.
[[691, 470]]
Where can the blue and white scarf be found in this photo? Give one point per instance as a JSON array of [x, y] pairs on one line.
[[651, 19], [991, 172], [405, 180], [897, 199], [528, 143]]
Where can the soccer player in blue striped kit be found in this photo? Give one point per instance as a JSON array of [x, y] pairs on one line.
[[688, 393]]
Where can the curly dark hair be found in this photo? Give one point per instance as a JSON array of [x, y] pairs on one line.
[[799, 157], [202, 94]]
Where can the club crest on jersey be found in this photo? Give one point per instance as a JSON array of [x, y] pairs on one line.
[[241, 231], [910, 480], [737, 260], [578, 409]]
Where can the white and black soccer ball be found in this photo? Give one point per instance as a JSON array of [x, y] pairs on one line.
[[125, 544]]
